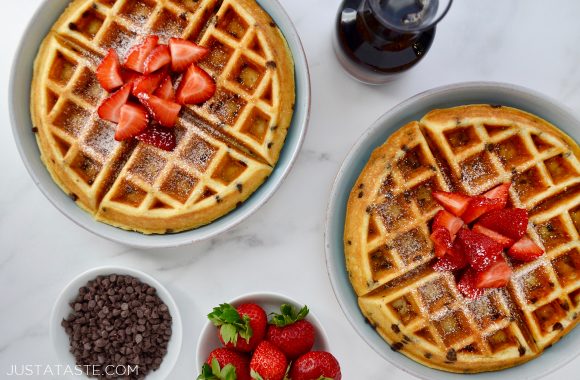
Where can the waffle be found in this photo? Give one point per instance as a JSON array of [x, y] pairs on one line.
[[389, 254], [226, 147]]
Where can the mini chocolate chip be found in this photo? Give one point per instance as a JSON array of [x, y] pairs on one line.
[[239, 187], [451, 355], [270, 144], [406, 339], [395, 328], [74, 197], [218, 199], [273, 24], [238, 204], [169, 231], [495, 105], [404, 148], [183, 16], [34, 130], [428, 355], [273, 128], [361, 185], [557, 326], [521, 350], [349, 242], [397, 346], [73, 26], [360, 194], [271, 64]]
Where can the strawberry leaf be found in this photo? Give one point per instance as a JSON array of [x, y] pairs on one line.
[[255, 375], [215, 372], [288, 315], [231, 322]]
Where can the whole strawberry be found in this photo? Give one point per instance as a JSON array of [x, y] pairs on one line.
[[241, 328], [315, 365], [226, 364], [268, 362], [290, 332]]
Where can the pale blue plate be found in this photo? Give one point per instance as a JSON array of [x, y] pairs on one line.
[[19, 99], [413, 109]]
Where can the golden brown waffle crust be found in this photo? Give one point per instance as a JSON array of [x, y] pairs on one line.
[[260, 156], [377, 295]]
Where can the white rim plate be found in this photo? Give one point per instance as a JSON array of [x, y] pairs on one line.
[[413, 109], [19, 104]]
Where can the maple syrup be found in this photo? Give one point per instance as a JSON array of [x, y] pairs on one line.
[[375, 40]]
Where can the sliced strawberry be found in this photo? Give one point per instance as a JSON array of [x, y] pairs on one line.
[[496, 276], [195, 87], [148, 83], [480, 250], [466, 285], [441, 241], [184, 53], [129, 75], [511, 222], [134, 120], [479, 206], [525, 250], [138, 54], [454, 260], [158, 58], [110, 109], [501, 193], [109, 72], [444, 219], [455, 203], [504, 241], [163, 111], [160, 137], [165, 89]]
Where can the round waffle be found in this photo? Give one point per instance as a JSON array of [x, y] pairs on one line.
[[389, 254], [226, 147]]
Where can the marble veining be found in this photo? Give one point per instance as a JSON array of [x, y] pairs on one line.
[[280, 247]]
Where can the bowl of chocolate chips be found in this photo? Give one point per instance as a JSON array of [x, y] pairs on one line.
[[116, 323]]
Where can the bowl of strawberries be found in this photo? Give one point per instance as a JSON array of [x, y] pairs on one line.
[[265, 336]]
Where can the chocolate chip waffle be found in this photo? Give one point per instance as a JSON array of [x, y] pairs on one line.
[[226, 147], [389, 254]]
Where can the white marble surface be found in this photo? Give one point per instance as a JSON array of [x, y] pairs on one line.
[[518, 41]]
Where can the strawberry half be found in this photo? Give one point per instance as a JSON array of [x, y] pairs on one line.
[[165, 89], [110, 109], [480, 250], [148, 83], [504, 241], [441, 239], [109, 72], [466, 285], [163, 111], [455, 203], [158, 58], [133, 121], [496, 276], [525, 250], [138, 54], [195, 87], [454, 260], [500, 193], [510, 222], [478, 206], [184, 53], [157, 136], [444, 219]]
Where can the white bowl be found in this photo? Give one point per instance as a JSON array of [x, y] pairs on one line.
[[19, 104], [413, 109], [62, 309], [270, 302]]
